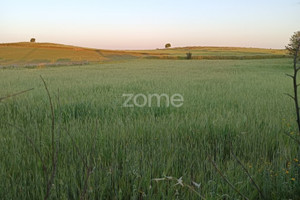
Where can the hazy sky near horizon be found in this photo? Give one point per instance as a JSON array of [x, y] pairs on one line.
[[149, 24]]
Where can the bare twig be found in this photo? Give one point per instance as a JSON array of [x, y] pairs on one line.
[[51, 180], [54, 150], [89, 171], [291, 76], [247, 172], [295, 85], [226, 180], [294, 138], [15, 94], [290, 96], [52, 120]]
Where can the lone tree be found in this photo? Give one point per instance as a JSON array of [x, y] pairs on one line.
[[294, 49], [168, 45], [294, 43], [32, 40]]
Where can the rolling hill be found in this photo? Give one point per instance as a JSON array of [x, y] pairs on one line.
[[47, 54]]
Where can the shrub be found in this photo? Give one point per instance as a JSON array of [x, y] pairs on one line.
[[189, 55]]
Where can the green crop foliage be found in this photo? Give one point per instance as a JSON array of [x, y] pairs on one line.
[[241, 101]]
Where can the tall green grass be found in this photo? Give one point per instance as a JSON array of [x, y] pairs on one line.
[[229, 100]]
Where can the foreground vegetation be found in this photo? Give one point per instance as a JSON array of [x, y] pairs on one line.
[[128, 150]]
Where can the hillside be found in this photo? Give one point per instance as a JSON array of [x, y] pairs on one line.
[[48, 53], [41, 54]]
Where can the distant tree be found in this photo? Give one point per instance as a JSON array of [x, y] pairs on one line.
[[32, 40], [168, 45], [189, 55], [294, 43]]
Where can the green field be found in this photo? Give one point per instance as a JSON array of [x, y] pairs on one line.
[[238, 101]]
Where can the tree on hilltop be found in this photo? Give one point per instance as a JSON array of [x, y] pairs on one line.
[[168, 45], [294, 43]]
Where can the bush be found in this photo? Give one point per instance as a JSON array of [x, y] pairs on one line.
[[189, 55]]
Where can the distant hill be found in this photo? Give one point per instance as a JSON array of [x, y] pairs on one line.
[[43, 54], [26, 53]]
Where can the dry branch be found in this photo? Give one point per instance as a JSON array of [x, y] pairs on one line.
[[15, 94], [226, 180]]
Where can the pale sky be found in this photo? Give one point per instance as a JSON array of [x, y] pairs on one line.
[[149, 24]]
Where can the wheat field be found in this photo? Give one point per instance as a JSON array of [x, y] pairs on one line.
[[107, 151]]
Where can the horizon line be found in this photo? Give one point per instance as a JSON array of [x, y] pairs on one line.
[[140, 49]]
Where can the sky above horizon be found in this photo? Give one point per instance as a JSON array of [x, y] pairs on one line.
[[150, 24]]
